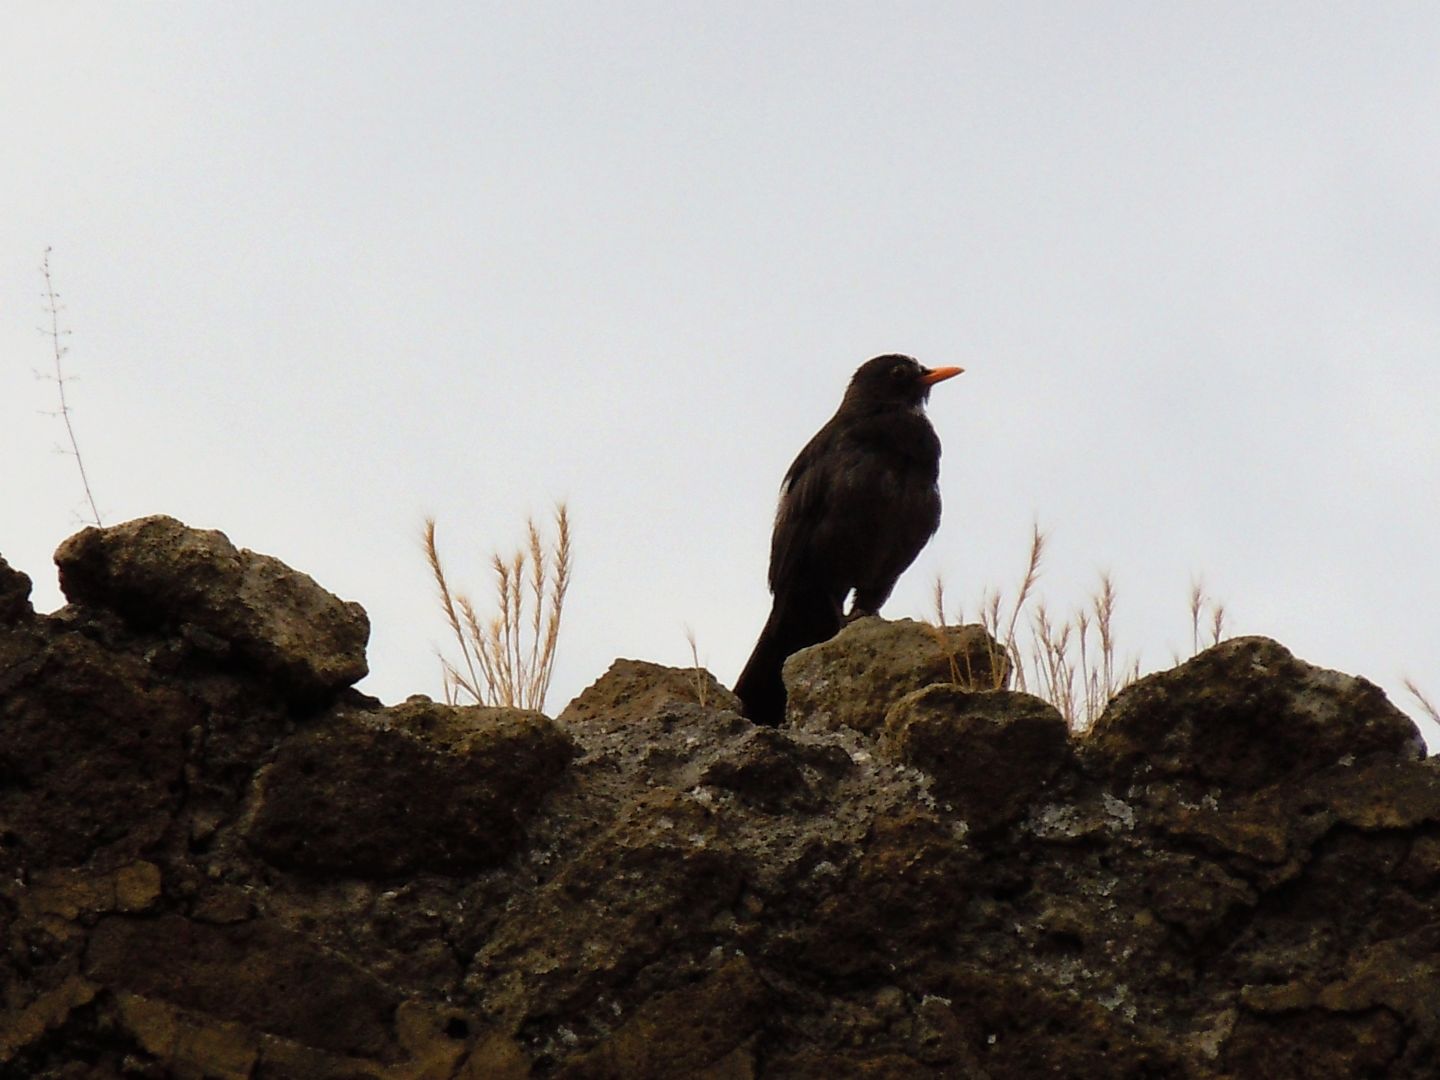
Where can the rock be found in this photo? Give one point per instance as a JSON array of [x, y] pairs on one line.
[[775, 772], [92, 752], [856, 676], [635, 688], [1318, 1045], [991, 753], [255, 974], [1024, 1029], [637, 903], [1237, 874], [14, 595], [1242, 715], [718, 1015], [903, 887], [411, 788], [156, 572]]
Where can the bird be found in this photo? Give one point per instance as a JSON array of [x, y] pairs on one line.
[[856, 506]]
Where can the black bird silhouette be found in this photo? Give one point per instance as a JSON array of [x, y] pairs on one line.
[[856, 507]]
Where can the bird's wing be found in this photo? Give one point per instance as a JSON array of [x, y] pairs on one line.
[[803, 498]]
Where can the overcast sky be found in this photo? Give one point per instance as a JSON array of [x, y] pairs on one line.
[[330, 267]]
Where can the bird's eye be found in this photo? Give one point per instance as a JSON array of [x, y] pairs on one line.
[[899, 371]]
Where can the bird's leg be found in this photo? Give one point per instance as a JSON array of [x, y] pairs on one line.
[[868, 601], [859, 611]]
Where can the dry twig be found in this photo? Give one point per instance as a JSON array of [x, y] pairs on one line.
[[1424, 701], [53, 308]]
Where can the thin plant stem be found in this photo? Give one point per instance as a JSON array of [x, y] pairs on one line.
[[54, 333]]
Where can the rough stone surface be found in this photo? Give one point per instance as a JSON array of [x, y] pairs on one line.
[[853, 679], [1248, 714], [92, 751], [157, 573], [254, 973], [639, 688], [416, 787], [203, 874], [989, 753], [14, 594]]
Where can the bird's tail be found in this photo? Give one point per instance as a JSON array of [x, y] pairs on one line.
[[797, 621]]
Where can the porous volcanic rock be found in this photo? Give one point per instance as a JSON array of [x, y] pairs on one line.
[[415, 787], [158, 573], [854, 678], [204, 873], [92, 751], [639, 688], [253, 973], [14, 594], [1243, 715], [990, 753]]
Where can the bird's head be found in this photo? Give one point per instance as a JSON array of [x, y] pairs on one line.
[[895, 380]]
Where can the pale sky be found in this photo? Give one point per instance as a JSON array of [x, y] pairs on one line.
[[330, 267]]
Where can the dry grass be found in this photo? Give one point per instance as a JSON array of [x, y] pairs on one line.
[[1424, 701], [697, 673], [993, 617], [1072, 663], [1215, 619], [508, 658]]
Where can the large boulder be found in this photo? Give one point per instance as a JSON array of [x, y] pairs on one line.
[[1242, 715], [159, 574]]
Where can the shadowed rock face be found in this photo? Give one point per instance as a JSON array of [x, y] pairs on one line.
[[329, 802], [216, 859], [14, 595]]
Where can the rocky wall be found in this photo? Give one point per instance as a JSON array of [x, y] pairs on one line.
[[217, 859]]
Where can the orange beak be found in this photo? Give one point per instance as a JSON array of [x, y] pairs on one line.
[[939, 374]]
